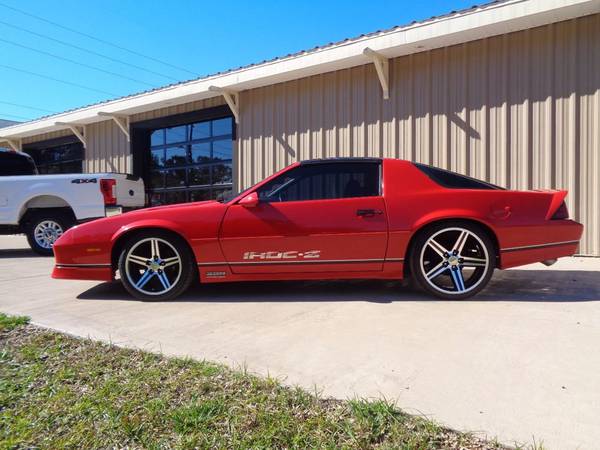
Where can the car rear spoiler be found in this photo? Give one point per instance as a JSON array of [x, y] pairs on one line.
[[558, 198]]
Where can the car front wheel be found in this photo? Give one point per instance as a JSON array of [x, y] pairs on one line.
[[453, 261], [156, 266]]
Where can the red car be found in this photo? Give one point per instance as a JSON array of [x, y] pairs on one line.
[[329, 219]]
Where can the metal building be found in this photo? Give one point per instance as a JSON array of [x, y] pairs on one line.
[[508, 92]]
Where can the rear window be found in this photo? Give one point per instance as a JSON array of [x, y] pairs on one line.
[[453, 180], [12, 163]]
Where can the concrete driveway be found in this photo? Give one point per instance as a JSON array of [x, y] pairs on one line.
[[521, 361]]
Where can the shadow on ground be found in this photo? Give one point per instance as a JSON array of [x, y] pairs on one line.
[[17, 253], [512, 285]]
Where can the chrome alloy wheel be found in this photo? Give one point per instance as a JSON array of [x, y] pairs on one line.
[[46, 233], [153, 266], [454, 261]]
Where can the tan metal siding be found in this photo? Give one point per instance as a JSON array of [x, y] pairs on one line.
[[46, 136], [107, 148], [521, 110]]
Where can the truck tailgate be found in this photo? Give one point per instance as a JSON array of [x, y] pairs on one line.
[[130, 191]]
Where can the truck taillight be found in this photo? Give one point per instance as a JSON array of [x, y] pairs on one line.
[[561, 213], [108, 187]]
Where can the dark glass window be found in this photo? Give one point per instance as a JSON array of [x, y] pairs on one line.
[[157, 137], [176, 156], [64, 158], [221, 127], [201, 130], [453, 180], [324, 181], [177, 134], [12, 163], [201, 152], [191, 162]]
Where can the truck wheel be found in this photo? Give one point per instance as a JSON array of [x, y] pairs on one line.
[[155, 265], [43, 228]]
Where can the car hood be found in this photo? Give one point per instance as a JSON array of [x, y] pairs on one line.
[[105, 227], [176, 206], [170, 208]]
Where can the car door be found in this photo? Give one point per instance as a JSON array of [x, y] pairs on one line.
[[317, 217]]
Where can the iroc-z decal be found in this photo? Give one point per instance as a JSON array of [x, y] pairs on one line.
[[290, 254]]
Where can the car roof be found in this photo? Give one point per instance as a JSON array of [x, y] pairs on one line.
[[341, 160]]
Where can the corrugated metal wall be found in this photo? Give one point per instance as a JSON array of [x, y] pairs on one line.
[[521, 110], [108, 149], [46, 136]]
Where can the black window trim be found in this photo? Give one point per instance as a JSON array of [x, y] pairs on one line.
[[332, 161]]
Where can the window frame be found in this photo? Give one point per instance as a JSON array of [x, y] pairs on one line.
[[287, 173], [218, 169]]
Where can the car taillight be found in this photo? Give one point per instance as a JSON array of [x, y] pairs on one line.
[[561, 213], [108, 187]]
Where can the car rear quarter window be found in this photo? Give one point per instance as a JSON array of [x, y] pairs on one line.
[[324, 181], [453, 180]]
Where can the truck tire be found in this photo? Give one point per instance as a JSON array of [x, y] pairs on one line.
[[43, 228]]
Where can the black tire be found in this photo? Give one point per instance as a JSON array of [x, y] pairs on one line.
[[152, 287], [444, 276], [61, 221]]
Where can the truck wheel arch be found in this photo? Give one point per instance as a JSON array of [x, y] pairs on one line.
[[44, 201]]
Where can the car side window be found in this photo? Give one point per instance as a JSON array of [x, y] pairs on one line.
[[324, 181]]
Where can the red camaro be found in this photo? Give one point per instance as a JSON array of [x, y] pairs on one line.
[[329, 219]]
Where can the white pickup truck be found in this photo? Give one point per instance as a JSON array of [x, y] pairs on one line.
[[45, 206]]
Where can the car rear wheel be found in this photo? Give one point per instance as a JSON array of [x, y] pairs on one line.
[[43, 228], [453, 261], [156, 266]]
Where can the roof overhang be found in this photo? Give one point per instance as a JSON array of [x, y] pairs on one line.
[[476, 23]]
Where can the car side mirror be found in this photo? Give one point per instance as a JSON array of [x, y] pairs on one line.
[[250, 201]]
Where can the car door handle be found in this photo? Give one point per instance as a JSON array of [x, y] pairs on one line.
[[368, 212]]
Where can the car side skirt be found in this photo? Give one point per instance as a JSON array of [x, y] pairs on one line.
[[221, 272]]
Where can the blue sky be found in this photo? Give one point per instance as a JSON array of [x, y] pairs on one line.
[[200, 37]]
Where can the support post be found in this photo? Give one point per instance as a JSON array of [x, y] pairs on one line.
[[121, 120], [14, 144], [232, 98], [382, 66], [78, 130]]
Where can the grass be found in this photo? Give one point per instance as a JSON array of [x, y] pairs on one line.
[[8, 323], [57, 391]]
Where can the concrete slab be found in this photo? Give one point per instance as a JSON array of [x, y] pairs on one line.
[[519, 361]]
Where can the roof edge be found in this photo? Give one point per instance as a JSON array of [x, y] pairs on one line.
[[474, 23]]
